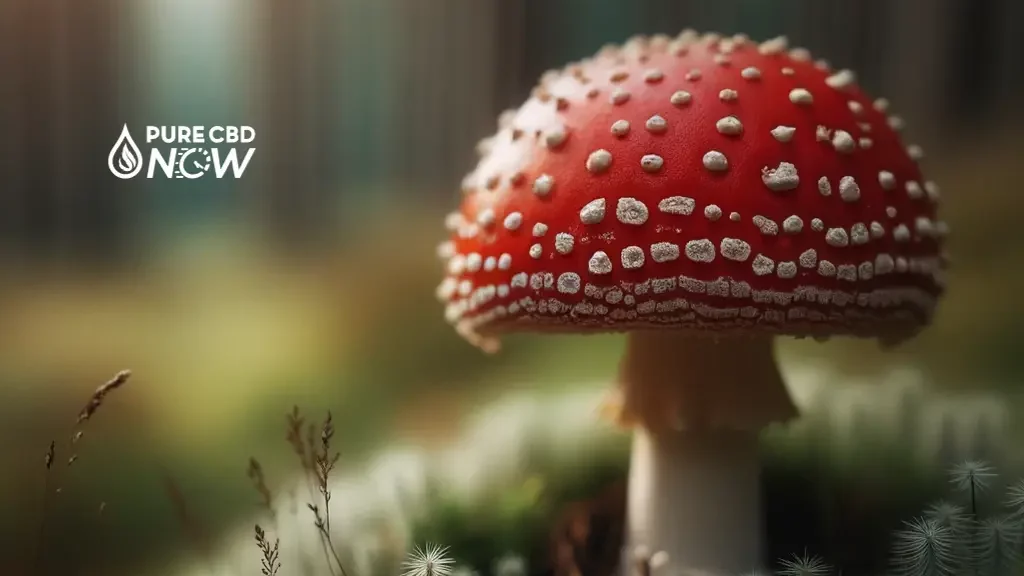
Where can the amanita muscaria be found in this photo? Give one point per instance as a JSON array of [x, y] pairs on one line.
[[703, 194]]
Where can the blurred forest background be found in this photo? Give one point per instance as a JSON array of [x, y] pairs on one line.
[[310, 280]]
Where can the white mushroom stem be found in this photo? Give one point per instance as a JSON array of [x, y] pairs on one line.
[[696, 497], [694, 485]]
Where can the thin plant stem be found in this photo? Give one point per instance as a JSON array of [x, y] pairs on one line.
[[310, 482], [327, 511], [974, 502], [326, 545], [190, 526], [325, 539], [325, 462], [305, 449], [324, 525], [37, 555], [335, 553], [974, 517], [317, 463]]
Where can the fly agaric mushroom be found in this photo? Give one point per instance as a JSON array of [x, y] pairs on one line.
[[703, 194]]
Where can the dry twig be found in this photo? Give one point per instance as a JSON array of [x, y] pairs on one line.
[[271, 562]]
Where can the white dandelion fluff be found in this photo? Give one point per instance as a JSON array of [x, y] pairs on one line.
[[996, 546], [972, 475], [924, 548], [947, 514], [431, 560], [805, 565], [1015, 498]]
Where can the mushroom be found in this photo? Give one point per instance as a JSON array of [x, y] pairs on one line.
[[702, 209]]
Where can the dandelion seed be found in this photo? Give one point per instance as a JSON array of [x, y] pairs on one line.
[[431, 560]]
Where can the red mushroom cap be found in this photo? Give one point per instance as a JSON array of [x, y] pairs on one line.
[[697, 183]]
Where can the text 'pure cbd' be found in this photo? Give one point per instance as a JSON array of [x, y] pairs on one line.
[[188, 152]]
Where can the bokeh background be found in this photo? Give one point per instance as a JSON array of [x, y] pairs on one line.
[[310, 280]]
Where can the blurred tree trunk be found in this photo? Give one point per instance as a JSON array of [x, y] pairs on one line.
[[59, 116], [369, 102], [293, 149]]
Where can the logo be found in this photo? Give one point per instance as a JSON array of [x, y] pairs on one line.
[[174, 152], [125, 160]]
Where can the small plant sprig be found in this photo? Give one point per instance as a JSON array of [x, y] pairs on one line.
[[271, 562], [294, 435], [259, 483], [301, 436], [318, 461], [192, 528], [324, 461], [97, 398], [84, 415]]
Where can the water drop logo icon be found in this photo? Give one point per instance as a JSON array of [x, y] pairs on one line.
[[125, 160]]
